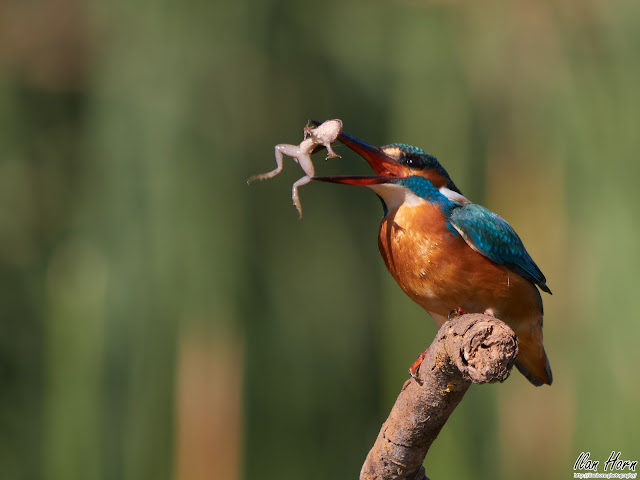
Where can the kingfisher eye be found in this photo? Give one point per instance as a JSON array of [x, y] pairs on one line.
[[413, 161]]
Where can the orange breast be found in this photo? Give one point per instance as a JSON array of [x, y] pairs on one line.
[[440, 272]]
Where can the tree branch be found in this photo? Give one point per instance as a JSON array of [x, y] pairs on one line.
[[472, 348]]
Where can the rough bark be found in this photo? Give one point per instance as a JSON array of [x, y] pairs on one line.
[[472, 348]]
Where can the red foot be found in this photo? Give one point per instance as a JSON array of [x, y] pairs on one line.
[[456, 313], [413, 369]]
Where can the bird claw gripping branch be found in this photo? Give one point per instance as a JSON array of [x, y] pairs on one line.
[[321, 136]]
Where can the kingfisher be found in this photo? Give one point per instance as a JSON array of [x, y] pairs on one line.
[[450, 255]]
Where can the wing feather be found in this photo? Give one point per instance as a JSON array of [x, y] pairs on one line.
[[493, 237]]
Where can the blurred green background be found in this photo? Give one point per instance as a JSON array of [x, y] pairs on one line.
[[161, 319]]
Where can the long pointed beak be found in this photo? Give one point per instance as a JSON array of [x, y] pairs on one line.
[[381, 163], [358, 181]]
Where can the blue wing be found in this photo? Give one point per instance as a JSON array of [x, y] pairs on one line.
[[490, 235]]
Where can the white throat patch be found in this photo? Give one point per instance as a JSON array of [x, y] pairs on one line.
[[396, 195]]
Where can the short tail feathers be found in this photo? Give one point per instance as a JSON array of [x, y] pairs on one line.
[[546, 378], [532, 360]]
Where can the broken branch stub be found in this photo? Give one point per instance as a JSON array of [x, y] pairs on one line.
[[472, 348]]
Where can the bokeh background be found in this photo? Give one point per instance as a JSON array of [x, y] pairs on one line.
[[161, 319]]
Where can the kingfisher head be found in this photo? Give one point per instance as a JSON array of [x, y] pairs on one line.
[[396, 161]]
